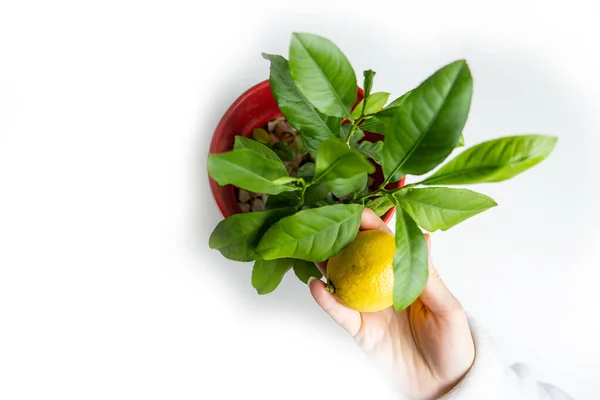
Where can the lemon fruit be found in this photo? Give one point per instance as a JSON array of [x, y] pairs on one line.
[[362, 276]]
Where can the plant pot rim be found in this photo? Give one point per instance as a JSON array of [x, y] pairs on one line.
[[220, 132], [231, 111]]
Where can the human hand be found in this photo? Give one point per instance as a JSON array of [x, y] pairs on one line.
[[425, 349]]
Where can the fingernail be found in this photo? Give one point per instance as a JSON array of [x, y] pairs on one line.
[[312, 278]]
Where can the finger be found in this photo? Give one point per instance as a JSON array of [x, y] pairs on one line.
[[436, 296], [322, 266], [348, 319], [370, 221]]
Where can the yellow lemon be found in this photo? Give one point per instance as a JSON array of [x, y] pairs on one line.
[[362, 276]]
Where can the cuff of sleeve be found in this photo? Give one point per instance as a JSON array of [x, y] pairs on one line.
[[487, 378]]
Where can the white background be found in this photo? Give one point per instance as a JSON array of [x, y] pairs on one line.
[[107, 286]]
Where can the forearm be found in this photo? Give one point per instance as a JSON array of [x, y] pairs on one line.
[[490, 379]]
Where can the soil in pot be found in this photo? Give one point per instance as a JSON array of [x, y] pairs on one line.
[[285, 141]]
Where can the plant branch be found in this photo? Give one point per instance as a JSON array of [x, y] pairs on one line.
[[377, 192], [356, 121], [304, 187], [352, 130], [383, 191]]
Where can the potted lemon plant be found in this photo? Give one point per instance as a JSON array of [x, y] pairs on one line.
[[312, 212]]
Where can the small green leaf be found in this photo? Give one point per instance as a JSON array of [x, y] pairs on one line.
[[268, 274], [317, 195], [284, 180], [284, 151], [399, 101], [261, 136], [494, 161], [237, 236], [381, 120], [336, 161], [380, 205], [356, 136], [305, 269], [410, 261], [352, 187], [314, 235], [442, 208], [248, 170], [363, 192], [461, 141], [245, 143], [338, 167], [368, 82], [323, 203], [374, 125], [374, 103], [306, 171], [301, 146], [425, 129], [283, 200], [323, 74], [345, 131], [299, 112], [372, 150]]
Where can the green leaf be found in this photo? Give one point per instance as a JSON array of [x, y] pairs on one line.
[[284, 151], [283, 200], [372, 150], [245, 143], [363, 192], [284, 180], [301, 146], [237, 236], [494, 161], [374, 103], [368, 82], [306, 171], [461, 141], [314, 235], [248, 170], [352, 187], [336, 161], [345, 131], [374, 125], [261, 136], [442, 208], [426, 128], [356, 136], [399, 101], [313, 126], [380, 122], [317, 195], [323, 74], [410, 261], [306, 269], [267, 274], [337, 165], [380, 205]]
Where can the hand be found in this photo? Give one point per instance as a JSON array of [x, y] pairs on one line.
[[425, 349]]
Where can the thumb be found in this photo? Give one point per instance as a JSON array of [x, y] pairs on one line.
[[436, 296], [349, 319]]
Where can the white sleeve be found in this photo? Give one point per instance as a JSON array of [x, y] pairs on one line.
[[490, 379]]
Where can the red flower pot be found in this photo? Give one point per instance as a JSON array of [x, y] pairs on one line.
[[253, 109]]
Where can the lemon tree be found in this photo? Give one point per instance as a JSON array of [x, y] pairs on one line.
[[314, 215]]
